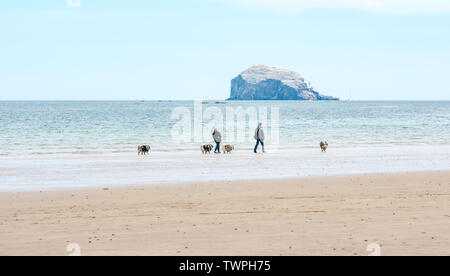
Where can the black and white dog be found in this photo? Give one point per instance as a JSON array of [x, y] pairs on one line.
[[143, 150], [324, 146], [206, 149]]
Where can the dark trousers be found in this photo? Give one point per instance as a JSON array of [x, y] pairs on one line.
[[257, 144], [217, 147]]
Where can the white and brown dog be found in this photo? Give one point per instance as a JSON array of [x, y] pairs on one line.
[[324, 146], [228, 148]]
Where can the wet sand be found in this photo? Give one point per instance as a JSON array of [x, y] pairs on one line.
[[23, 172], [406, 214]]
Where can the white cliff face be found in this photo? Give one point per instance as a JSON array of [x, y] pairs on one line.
[[262, 82], [258, 73]]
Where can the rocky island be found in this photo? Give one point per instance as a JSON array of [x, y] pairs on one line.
[[262, 82]]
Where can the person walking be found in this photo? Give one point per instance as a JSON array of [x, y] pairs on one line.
[[259, 137], [217, 136]]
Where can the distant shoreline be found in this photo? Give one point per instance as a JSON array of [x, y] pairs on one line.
[[299, 101]]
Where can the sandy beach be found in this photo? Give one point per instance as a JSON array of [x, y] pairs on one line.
[[406, 214]]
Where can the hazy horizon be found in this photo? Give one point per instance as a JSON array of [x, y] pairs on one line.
[[211, 101]]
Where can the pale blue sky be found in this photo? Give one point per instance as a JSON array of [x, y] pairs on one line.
[[191, 49]]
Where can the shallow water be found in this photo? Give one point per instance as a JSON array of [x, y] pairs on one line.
[[108, 127]]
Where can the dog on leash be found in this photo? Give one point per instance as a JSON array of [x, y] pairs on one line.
[[324, 146], [143, 150], [228, 148], [206, 149]]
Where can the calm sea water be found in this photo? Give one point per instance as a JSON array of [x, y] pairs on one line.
[[93, 127]]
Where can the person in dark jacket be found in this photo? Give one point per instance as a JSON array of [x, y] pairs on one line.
[[259, 137], [217, 136]]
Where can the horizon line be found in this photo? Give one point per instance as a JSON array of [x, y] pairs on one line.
[[192, 100]]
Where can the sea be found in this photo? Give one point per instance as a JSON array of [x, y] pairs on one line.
[[39, 128]]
